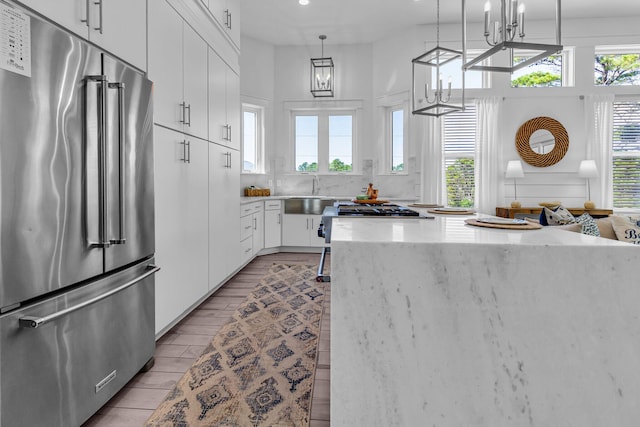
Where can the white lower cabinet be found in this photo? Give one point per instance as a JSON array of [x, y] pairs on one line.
[[181, 184], [272, 224], [251, 230], [224, 213], [301, 230]]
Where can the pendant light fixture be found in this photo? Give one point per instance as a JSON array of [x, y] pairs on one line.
[[322, 75], [430, 96], [502, 36]]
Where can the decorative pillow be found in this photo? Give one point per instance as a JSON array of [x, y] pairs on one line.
[[627, 228], [589, 225], [606, 228], [557, 216]]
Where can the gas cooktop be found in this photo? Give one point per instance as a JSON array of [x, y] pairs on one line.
[[374, 210]]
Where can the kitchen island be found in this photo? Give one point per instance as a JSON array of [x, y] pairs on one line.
[[440, 323]]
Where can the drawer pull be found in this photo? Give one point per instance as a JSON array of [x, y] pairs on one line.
[[33, 322]]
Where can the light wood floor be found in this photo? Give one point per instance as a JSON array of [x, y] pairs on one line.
[[178, 349]]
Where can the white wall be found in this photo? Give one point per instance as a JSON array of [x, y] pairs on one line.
[[374, 73]]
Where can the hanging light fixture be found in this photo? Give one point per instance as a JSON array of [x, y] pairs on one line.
[[431, 97], [322, 76], [506, 34]]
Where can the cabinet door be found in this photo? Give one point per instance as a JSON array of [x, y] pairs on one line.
[[233, 108], [218, 9], [181, 223], [224, 213], [165, 63], [217, 99], [314, 223], [258, 232], [272, 229], [295, 230], [68, 13], [120, 27], [233, 21], [195, 83]]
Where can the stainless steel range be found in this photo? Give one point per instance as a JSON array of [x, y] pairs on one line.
[[351, 209]]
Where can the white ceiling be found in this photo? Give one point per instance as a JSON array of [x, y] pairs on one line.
[[285, 22]]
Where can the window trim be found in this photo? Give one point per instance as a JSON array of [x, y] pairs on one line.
[[323, 138], [622, 154], [469, 153], [260, 140], [404, 107], [614, 50]]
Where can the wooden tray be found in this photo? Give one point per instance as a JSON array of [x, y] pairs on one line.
[[436, 211], [527, 226], [370, 201]]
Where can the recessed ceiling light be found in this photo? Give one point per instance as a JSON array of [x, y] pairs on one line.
[[303, 2]]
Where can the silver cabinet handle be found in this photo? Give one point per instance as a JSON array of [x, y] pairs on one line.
[[255, 223], [227, 18], [229, 133], [86, 14], [33, 322], [246, 251], [101, 81], [186, 151], [279, 218], [120, 87], [99, 27], [188, 121], [183, 107]]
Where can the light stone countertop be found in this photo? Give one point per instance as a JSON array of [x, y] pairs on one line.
[[438, 323]]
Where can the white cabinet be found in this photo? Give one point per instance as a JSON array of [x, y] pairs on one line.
[[224, 103], [272, 223], [251, 230], [224, 213], [178, 68], [181, 183], [118, 26], [301, 230], [227, 13]]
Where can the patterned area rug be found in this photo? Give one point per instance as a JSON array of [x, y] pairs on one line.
[[259, 369]]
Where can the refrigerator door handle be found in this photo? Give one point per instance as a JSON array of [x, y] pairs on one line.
[[101, 80], [120, 87], [32, 322]]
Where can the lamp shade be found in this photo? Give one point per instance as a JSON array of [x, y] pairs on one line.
[[588, 169], [514, 169]]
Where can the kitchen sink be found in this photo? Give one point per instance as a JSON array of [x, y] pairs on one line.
[[306, 205]]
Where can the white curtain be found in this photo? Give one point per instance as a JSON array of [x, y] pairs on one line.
[[488, 157], [598, 112], [433, 185]]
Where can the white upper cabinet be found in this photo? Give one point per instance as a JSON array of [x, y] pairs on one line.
[[178, 68], [118, 26], [227, 13], [224, 103]]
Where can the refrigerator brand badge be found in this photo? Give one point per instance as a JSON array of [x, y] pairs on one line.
[[15, 41]]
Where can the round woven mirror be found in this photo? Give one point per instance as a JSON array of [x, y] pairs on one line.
[[524, 144]]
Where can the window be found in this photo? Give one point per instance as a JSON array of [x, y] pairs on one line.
[[552, 71], [324, 141], [459, 132], [626, 155], [617, 66], [397, 139], [252, 142]]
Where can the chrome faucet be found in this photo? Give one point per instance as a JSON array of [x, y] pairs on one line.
[[315, 186]]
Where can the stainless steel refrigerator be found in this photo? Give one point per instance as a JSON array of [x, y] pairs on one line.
[[77, 224]]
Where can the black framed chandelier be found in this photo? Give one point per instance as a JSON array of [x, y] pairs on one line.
[[506, 34], [322, 75], [430, 95]]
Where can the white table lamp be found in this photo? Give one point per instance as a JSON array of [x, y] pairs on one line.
[[588, 170], [514, 170]]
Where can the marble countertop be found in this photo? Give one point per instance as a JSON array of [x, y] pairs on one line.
[[438, 323], [451, 229]]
